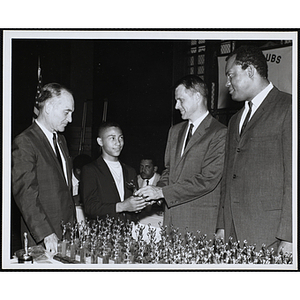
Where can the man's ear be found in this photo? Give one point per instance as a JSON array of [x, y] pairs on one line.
[[198, 96], [48, 106], [155, 169], [251, 71], [99, 141]]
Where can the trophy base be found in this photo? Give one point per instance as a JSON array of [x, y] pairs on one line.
[[25, 259]]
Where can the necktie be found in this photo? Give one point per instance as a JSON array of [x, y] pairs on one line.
[[57, 150], [247, 117], [189, 135], [147, 182]]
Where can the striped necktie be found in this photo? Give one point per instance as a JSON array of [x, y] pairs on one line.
[[57, 150]]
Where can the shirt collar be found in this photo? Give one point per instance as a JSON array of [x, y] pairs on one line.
[[48, 133], [197, 122], [150, 179], [259, 98]]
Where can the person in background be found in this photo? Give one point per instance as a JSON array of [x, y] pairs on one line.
[[149, 176], [41, 170], [194, 160], [256, 194], [148, 172], [107, 185], [78, 162]]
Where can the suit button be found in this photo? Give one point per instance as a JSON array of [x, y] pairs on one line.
[[234, 176], [238, 150]]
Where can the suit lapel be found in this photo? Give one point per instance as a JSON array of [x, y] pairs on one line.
[[262, 109], [180, 141], [65, 153], [127, 191], [200, 131], [236, 125], [46, 146]]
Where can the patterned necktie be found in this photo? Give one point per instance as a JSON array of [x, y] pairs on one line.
[[247, 117], [189, 135], [57, 150]]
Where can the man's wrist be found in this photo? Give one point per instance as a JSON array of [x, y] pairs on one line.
[[118, 207], [161, 197]]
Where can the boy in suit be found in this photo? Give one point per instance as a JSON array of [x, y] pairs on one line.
[[104, 187]]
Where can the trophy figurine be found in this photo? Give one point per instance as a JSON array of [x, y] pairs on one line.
[[25, 258], [131, 186], [64, 240]]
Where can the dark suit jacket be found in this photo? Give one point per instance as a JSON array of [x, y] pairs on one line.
[[256, 188], [99, 192], [39, 186], [191, 182]]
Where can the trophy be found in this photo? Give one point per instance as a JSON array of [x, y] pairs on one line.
[[72, 245], [25, 258], [64, 240], [131, 186]]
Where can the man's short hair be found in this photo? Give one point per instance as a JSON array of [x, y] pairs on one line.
[[152, 159], [250, 55], [50, 91], [193, 83], [103, 126]]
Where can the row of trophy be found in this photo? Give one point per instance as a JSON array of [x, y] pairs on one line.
[[110, 241]]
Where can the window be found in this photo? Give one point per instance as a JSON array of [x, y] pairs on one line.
[[196, 58]]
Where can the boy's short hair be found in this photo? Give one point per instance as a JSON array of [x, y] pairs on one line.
[[106, 125]]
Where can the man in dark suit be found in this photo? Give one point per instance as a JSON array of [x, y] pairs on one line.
[[41, 184], [256, 198], [190, 182], [107, 185]]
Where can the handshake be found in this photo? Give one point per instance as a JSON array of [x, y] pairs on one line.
[[141, 198]]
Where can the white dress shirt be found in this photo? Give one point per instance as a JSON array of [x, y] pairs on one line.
[[256, 101]]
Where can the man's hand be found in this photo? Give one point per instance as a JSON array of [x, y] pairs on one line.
[[150, 192], [131, 204], [285, 246], [50, 242]]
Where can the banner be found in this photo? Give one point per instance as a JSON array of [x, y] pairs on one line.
[[279, 73]]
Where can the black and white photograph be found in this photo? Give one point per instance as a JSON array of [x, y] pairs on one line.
[[150, 150]]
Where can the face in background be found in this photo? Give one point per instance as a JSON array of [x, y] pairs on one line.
[[59, 111], [111, 142], [147, 169], [238, 81], [186, 103]]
